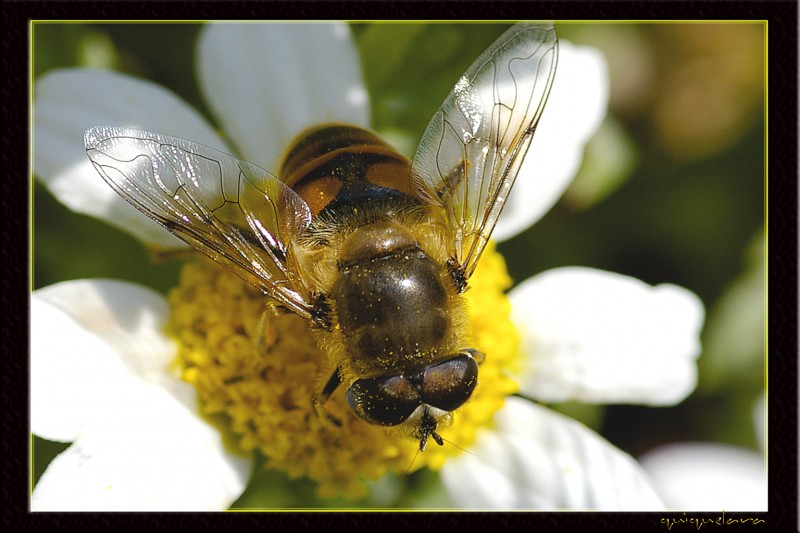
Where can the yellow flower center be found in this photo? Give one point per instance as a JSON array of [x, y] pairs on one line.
[[258, 372]]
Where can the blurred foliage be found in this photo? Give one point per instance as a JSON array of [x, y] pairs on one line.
[[671, 190], [734, 337], [270, 489]]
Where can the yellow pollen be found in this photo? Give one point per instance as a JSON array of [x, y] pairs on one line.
[[263, 393]]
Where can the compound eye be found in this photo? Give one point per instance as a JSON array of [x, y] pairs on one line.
[[385, 401], [450, 384]]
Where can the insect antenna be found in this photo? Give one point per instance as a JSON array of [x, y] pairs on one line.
[[411, 464], [448, 441]]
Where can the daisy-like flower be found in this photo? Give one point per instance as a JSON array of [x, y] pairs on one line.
[[165, 401]]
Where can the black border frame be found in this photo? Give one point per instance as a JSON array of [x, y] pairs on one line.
[[782, 17]]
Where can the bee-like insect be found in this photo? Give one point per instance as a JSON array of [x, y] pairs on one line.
[[374, 250]]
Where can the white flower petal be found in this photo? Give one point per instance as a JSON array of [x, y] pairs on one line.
[[268, 82], [535, 458], [141, 450], [708, 477], [100, 377], [596, 336], [68, 102], [575, 109], [129, 318], [66, 360]]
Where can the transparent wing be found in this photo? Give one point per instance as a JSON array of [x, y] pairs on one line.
[[238, 214], [472, 150]]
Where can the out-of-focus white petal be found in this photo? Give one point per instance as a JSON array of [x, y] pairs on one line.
[[575, 109], [68, 102], [595, 336], [128, 317], [100, 377], [66, 360], [708, 477], [268, 82], [141, 450], [535, 458]]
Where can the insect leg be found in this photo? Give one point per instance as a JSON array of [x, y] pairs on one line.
[[267, 336], [321, 314], [333, 382], [318, 400]]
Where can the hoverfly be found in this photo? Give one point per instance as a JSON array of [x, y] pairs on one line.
[[374, 250]]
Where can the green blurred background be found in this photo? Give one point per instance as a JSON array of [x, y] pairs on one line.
[[671, 190]]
